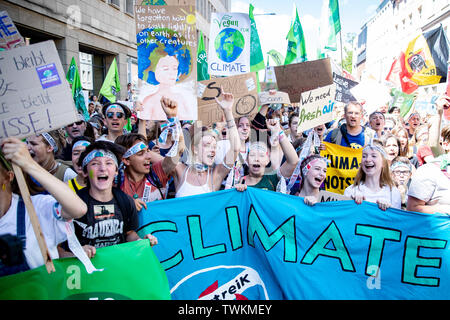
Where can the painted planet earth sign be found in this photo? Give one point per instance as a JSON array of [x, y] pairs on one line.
[[229, 44]]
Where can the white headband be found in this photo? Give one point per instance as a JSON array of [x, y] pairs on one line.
[[96, 153], [134, 149], [50, 141]]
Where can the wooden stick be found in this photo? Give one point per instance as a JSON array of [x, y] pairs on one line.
[[33, 218]]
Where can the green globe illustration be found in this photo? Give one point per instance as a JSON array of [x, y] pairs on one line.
[[229, 44]]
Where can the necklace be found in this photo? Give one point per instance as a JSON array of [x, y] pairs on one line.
[[134, 190]]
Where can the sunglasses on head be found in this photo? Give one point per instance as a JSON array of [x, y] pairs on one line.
[[78, 123], [119, 115]]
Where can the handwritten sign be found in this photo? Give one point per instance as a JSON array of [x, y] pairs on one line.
[[343, 86], [279, 97], [167, 59], [244, 89], [301, 77], [34, 93], [316, 107], [9, 36]]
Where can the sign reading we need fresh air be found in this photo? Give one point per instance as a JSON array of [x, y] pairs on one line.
[[229, 45]]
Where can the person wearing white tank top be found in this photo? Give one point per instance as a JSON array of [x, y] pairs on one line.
[[199, 176]]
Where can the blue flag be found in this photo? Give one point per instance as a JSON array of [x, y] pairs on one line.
[[260, 244]]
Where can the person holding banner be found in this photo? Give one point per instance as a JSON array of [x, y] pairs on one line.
[[61, 204], [373, 182], [313, 171], [44, 148], [199, 176]]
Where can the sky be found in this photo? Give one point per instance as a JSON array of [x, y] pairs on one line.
[[272, 29]]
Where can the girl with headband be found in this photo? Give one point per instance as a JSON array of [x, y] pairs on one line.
[[44, 148], [373, 182], [111, 217], [313, 174], [259, 157], [79, 144]]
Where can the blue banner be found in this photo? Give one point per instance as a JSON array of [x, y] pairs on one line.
[[264, 245]]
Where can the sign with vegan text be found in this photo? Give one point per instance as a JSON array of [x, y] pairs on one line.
[[343, 165], [167, 59], [260, 244], [301, 77], [34, 93], [125, 276], [316, 107], [229, 44], [9, 35], [244, 89], [343, 86]]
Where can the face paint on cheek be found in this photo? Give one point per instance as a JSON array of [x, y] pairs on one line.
[[91, 174]]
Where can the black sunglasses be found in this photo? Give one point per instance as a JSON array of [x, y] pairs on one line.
[[119, 115], [78, 123]]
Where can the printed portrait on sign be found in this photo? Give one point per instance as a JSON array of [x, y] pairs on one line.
[[166, 70]]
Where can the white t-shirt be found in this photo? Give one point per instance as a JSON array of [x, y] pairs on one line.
[[431, 185], [52, 229], [392, 196]]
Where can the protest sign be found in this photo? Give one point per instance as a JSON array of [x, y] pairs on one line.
[[131, 271], [261, 244], [326, 196], [343, 86], [343, 165], [270, 75], [229, 45], [301, 77], [167, 59], [278, 97], [9, 35], [244, 89], [34, 94], [425, 105], [316, 107]]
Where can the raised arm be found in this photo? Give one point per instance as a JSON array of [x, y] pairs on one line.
[[17, 152], [226, 104]]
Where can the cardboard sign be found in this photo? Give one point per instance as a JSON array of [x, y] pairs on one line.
[[34, 93], [316, 107], [301, 77], [244, 89], [167, 59], [9, 35], [229, 44], [326, 196], [343, 86], [279, 97]]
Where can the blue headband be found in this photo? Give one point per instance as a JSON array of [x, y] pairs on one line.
[[99, 154], [135, 149]]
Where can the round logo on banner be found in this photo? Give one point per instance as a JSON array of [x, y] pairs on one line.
[[221, 283]]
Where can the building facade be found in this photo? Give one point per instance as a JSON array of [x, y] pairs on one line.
[[391, 28], [94, 32]]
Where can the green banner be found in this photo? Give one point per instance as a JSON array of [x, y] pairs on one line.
[[111, 85], [256, 55], [131, 272], [202, 60], [73, 77], [296, 51], [403, 101]]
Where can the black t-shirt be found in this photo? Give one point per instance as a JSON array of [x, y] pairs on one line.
[[105, 224]]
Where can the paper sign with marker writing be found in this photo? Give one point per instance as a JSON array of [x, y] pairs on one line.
[[244, 89], [278, 97], [34, 93], [9, 36], [316, 107]]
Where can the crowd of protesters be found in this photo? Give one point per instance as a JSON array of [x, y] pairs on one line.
[[101, 175]]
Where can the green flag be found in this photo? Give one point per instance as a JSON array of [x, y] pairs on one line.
[[403, 101], [131, 272], [276, 57], [73, 77], [202, 60], [330, 26], [111, 85], [296, 51], [256, 55], [72, 70]]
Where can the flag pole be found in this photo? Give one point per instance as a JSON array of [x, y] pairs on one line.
[[342, 56]]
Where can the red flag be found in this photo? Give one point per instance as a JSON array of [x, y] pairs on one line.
[[400, 77]]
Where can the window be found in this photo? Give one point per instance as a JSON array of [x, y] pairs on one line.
[[115, 3], [129, 6]]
